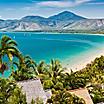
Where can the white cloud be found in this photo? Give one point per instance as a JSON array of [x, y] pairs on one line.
[[81, 1], [67, 3], [96, 3], [0, 16], [55, 3]]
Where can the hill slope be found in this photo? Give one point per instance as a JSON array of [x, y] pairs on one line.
[[65, 21]]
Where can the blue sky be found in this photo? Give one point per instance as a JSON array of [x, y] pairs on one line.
[[14, 9]]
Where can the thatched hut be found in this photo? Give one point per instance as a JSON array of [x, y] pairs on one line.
[[82, 93], [33, 90]]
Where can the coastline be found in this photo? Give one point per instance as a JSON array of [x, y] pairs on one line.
[[80, 61], [67, 33]]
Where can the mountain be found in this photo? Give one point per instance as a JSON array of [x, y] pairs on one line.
[[54, 22], [64, 21], [87, 25], [66, 16]]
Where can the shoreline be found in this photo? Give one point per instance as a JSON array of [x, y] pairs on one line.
[[74, 33], [80, 61]]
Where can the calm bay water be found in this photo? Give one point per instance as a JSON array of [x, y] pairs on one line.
[[44, 46]]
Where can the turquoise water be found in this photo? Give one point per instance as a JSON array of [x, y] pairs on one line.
[[44, 46]]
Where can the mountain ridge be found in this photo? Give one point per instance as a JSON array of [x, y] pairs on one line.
[[64, 21]]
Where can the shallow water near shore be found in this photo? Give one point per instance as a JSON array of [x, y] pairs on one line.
[[44, 46]]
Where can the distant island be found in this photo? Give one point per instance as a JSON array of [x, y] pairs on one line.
[[64, 22]]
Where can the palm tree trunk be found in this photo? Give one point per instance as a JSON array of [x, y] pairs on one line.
[[11, 66], [0, 61]]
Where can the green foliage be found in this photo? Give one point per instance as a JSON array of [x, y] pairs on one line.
[[96, 93], [92, 74], [8, 48], [52, 77], [59, 86], [74, 81], [26, 69], [64, 97], [32, 102], [10, 93], [48, 84], [91, 77], [38, 101]]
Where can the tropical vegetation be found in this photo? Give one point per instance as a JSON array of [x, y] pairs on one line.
[[10, 93], [8, 48], [52, 76], [26, 69], [64, 97]]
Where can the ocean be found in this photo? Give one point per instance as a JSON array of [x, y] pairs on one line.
[[47, 46]]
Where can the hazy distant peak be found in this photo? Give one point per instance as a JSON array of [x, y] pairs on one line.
[[66, 15]]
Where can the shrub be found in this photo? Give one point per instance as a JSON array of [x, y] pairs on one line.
[[10, 93]]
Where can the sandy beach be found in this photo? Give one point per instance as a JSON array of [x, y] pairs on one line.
[[79, 62]]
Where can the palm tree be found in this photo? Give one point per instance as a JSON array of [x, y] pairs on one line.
[[8, 47], [26, 69], [64, 97], [3, 68], [31, 64], [10, 93], [70, 80], [51, 74], [42, 71], [55, 70], [42, 67], [74, 80]]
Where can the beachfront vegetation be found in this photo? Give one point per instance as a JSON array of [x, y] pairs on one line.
[[8, 48], [26, 69], [64, 97], [52, 76], [10, 93]]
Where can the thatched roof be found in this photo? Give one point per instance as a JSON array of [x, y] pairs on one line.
[[82, 93], [101, 103], [33, 90]]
